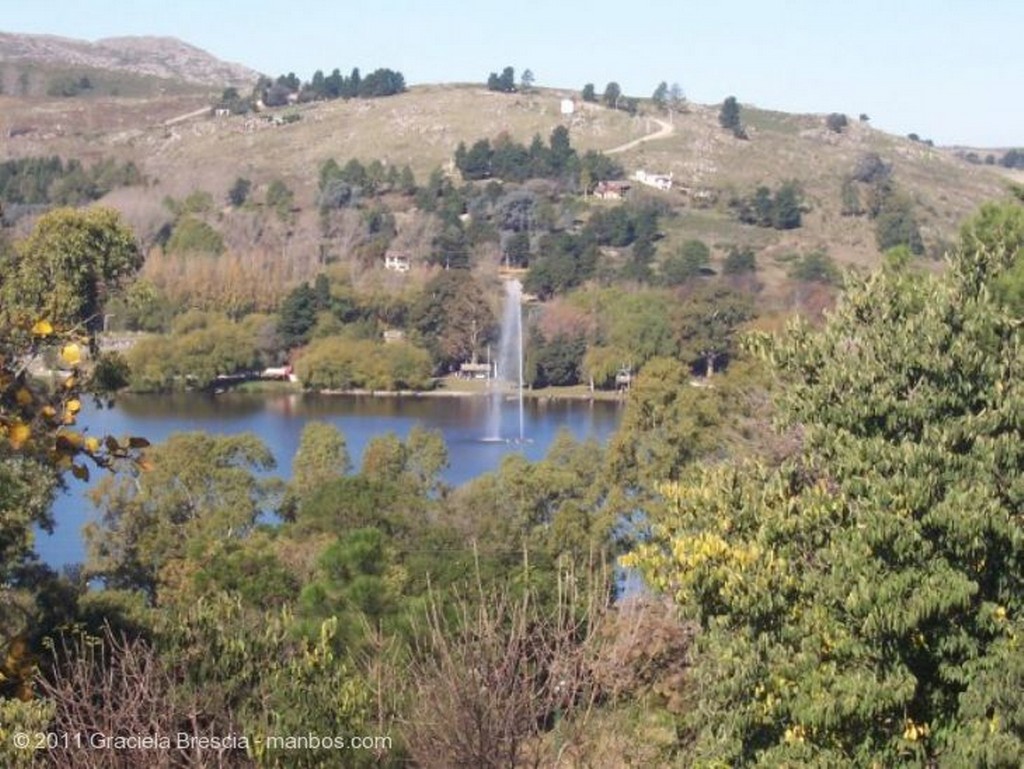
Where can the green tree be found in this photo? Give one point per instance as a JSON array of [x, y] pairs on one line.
[[895, 223], [588, 93], [786, 207], [690, 261], [660, 95], [739, 261], [239, 192], [815, 267], [453, 318], [280, 199], [199, 491], [526, 80], [729, 115], [194, 236], [836, 122], [297, 316], [612, 94], [64, 269], [861, 603]]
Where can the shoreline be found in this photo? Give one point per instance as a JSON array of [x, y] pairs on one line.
[[534, 395], [474, 390]]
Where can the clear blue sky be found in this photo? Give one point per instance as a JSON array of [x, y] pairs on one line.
[[949, 70]]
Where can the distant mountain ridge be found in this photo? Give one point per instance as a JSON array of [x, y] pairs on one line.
[[164, 57]]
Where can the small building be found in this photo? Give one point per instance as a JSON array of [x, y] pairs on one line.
[[611, 190], [475, 371], [397, 261], [624, 378], [568, 106], [658, 181], [392, 335], [222, 112]]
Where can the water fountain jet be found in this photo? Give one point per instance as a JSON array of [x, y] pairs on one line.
[[508, 373]]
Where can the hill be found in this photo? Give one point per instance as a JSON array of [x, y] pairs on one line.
[[181, 147], [164, 58]]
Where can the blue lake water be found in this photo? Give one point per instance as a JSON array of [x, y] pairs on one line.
[[278, 421]]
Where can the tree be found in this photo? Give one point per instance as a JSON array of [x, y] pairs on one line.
[[526, 80], [280, 199], [199, 492], [297, 316], [453, 318], [588, 94], [860, 603], [239, 192], [612, 94], [475, 163], [676, 98], [517, 249], [194, 236], [689, 262], [729, 117], [66, 267], [815, 267], [895, 223], [660, 95], [504, 83], [321, 457], [739, 261], [786, 207], [836, 122]]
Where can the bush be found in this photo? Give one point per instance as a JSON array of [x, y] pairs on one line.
[[836, 122], [815, 267]]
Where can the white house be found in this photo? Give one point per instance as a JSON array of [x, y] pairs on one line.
[[658, 181], [397, 261]]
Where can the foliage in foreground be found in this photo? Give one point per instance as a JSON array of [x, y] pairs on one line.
[[860, 604]]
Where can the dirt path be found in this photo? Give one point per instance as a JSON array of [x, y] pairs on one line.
[[187, 116], [666, 130]]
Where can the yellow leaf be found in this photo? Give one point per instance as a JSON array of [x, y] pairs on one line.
[[48, 411], [70, 382], [18, 434], [24, 397], [73, 406], [92, 445], [81, 472], [42, 328], [72, 354], [70, 441]]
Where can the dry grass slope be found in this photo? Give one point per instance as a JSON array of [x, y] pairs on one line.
[[422, 128]]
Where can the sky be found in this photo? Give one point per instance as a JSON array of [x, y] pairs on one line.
[[948, 70]]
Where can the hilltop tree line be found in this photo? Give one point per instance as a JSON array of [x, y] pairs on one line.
[[285, 88]]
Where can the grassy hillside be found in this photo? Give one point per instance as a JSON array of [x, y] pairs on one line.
[[422, 128]]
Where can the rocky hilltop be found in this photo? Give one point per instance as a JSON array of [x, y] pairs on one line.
[[163, 57]]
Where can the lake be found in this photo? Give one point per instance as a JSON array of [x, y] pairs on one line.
[[278, 420]]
